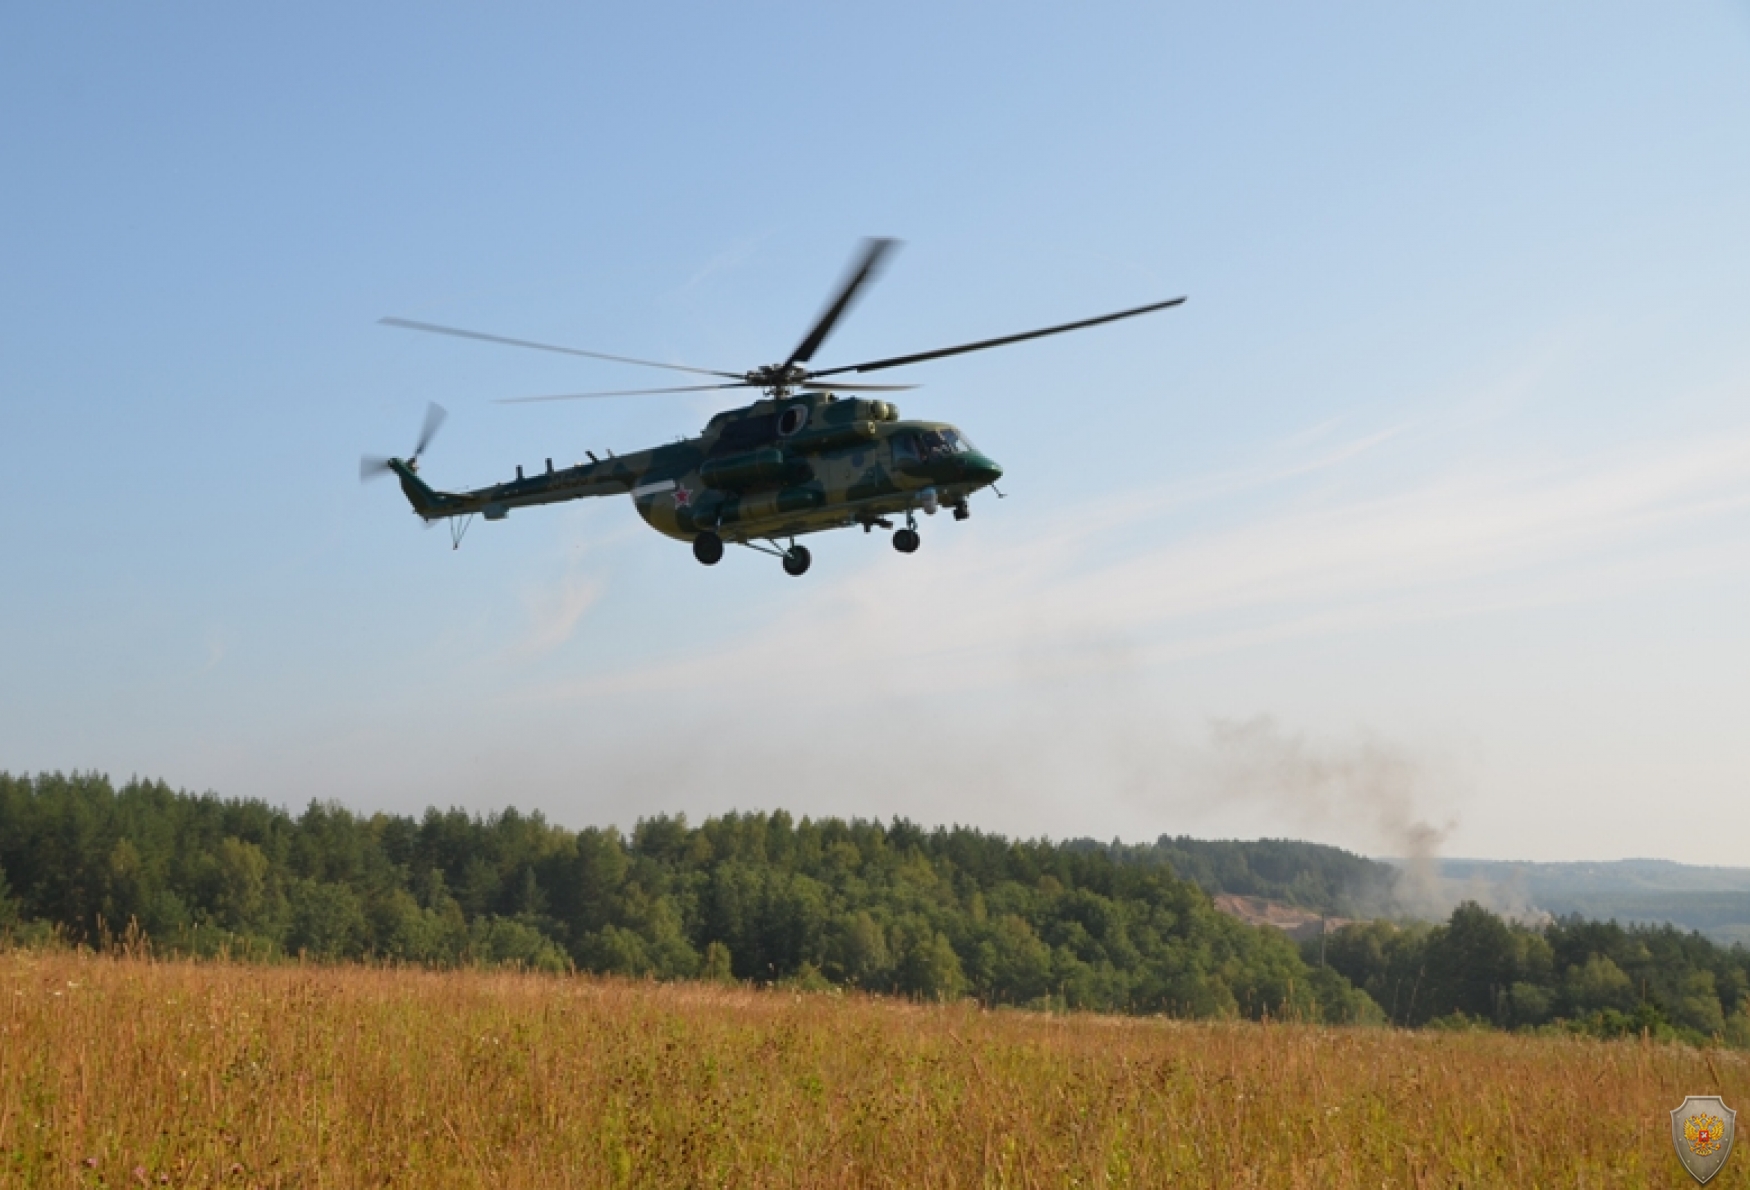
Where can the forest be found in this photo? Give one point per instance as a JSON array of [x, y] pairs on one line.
[[895, 908], [1600, 978], [1310, 875]]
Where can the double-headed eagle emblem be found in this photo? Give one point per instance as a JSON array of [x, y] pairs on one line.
[[1701, 1131]]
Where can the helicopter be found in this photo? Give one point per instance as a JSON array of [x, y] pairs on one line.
[[803, 459]]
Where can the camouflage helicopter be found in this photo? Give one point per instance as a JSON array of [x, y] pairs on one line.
[[801, 460]]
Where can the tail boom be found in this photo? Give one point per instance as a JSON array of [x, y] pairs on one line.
[[611, 477]]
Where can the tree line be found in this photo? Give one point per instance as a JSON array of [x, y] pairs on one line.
[[895, 908], [885, 907], [1593, 977]]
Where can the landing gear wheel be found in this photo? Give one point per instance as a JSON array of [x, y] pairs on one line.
[[906, 541], [796, 560], [708, 548]]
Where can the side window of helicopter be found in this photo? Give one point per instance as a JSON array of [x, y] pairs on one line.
[[905, 449], [792, 420]]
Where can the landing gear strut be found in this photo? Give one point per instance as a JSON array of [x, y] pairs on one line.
[[796, 560], [708, 548]]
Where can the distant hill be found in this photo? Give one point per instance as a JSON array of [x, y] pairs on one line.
[[1616, 877], [1310, 876], [1711, 900], [1323, 880]]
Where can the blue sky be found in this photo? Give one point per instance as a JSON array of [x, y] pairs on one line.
[[1425, 522]]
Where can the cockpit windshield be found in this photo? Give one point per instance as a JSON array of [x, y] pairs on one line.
[[947, 442], [924, 445]]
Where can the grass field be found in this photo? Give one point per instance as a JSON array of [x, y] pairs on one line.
[[127, 1072]]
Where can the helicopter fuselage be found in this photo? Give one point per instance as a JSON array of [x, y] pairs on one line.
[[779, 468]]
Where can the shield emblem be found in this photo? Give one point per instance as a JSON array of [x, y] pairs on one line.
[[1702, 1129]]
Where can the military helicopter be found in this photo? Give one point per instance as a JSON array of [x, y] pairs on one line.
[[801, 460]]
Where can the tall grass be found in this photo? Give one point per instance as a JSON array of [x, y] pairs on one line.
[[124, 1072]]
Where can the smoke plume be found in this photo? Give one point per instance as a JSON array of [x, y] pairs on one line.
[[1372, 788]]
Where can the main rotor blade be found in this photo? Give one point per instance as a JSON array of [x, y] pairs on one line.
[[434, 417], [864, 271], [626, 392], [860, 388], [921, 356], [457, 332]]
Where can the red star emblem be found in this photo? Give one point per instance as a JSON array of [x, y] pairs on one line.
[[682, 497]]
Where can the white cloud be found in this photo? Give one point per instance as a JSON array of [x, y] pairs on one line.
[[1321, 550], [554, 613]]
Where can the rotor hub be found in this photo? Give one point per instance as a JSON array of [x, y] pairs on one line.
[[778, 379]]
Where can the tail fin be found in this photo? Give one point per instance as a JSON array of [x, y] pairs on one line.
[[425, 501]]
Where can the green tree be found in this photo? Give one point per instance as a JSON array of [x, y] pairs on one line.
[[327, 921], [857, 952], [1471, 965], [1737, 1030], [1598, 984], [8, 904], [1698, 1005], [717, 967], [1339, 1002], [237, 885], [504, 942], [1531, 1003], [928, 967], [657, 924], [614, 951], [1020, 962]]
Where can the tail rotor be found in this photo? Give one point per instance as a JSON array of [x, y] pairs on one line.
[[375, 467]]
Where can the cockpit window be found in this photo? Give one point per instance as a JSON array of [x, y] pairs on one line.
[[924, 445], [940, 443]]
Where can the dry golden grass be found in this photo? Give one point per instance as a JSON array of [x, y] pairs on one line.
[[120, 1072]]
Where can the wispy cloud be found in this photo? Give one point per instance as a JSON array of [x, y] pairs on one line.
[[218, 646], [554, 613], [729, 259], [1177, 572]]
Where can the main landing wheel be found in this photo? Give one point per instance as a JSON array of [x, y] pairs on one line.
[[906, 541], [796, 560], [708, 548]]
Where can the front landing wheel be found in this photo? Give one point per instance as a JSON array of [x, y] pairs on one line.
[[796, 561], [708, 548], [906, 541]]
